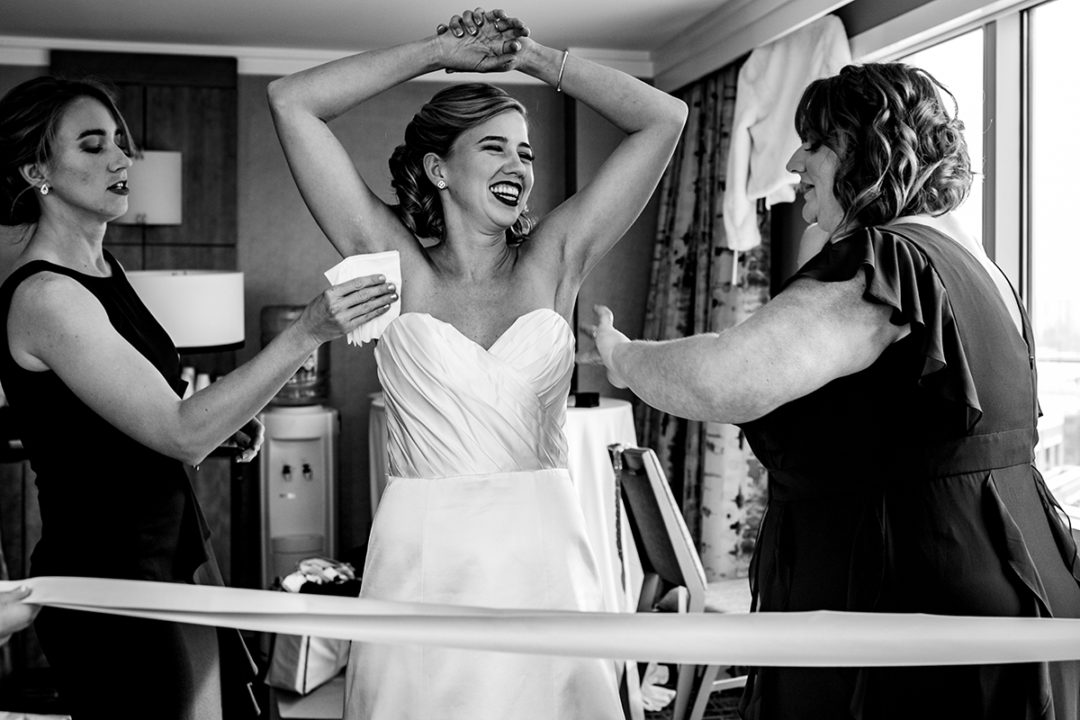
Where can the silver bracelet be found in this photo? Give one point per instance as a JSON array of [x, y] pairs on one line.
[[562, 66]]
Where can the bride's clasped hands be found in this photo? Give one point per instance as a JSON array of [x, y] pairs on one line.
[[481, 41]]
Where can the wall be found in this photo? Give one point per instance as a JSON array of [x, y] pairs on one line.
[[621, 281]]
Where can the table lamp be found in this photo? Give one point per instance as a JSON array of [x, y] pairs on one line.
[[156, 197], [202, 310]]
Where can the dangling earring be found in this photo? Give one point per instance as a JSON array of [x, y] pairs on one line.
[[441, 184], [44, 189]]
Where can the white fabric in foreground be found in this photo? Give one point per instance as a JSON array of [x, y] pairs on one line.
[[387, 264], [797, 639]]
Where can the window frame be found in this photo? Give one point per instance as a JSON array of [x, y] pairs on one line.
[[1006, 230]]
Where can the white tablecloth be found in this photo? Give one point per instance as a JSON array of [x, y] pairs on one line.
[[589, 431]]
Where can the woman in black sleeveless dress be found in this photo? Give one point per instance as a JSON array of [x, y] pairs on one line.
[[94, 383], [890, 391]]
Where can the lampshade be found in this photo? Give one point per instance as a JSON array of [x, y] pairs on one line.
[[202, 310], [154, 182]]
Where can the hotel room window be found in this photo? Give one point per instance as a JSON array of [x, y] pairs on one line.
[[1051, 153], [1053, 249], [958, 65]]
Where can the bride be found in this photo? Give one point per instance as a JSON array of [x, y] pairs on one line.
[[479, 507]]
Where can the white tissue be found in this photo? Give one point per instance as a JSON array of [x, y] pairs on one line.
[[387, 264]]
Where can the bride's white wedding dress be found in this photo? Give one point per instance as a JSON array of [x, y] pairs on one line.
[[479, 509]]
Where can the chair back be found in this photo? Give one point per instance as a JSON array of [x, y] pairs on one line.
[[669, 561], [662, 539]]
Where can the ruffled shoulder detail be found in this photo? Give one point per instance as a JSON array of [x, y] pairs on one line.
[[899, 274]]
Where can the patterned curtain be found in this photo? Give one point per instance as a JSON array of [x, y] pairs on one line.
[[694, 288]]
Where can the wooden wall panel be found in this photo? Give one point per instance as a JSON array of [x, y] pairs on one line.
[[189, 256], [130, 256], [130, 101], [183, 104], [201, 123], [147, 68]]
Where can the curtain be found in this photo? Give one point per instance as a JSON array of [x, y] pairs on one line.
[[698, 285]]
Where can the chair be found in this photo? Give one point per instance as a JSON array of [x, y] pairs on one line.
[[674, 579]]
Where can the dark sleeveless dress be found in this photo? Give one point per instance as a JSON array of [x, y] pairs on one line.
[[910, 487], [114, 508]]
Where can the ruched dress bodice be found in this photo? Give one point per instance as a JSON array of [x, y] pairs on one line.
[[456, 408], [479, 509]]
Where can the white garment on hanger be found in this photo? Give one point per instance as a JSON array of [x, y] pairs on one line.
[[768, 89]]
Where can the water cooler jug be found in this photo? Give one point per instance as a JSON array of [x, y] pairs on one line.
[[297, 470]]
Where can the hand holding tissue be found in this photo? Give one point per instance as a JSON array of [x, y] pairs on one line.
[[387, 264]]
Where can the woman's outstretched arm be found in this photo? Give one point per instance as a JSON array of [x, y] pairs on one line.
[[57, 324], [807, 336]]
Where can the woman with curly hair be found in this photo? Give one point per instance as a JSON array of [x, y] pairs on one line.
[[889, 389], [479, 508]]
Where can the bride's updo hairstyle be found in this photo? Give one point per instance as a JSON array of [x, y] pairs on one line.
[[30, 114], [448, 114], [900, 151]]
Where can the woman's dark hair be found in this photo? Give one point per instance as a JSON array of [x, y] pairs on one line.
[[434, 129], [29, 116], [900, 151]]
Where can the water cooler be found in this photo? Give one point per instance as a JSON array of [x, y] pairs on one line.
[[298, 462]]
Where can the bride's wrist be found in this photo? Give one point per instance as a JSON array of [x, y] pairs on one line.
[[435, 52], [540, 61]]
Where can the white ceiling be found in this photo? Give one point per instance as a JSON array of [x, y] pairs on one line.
[[673, 42], [338, 26]]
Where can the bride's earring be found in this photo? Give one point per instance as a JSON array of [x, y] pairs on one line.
[[441, 184], [44, 189]]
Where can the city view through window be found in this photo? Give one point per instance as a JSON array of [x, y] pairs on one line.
[[1055, 249], [1051, 248]]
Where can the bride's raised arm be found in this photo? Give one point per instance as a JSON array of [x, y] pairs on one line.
[[584, 227], [351, 215]]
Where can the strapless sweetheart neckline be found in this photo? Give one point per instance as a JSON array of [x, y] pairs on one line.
[[510, 328]]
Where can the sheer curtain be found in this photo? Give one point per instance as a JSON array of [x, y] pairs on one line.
[[693, 289]]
